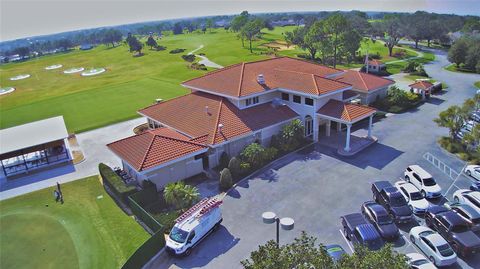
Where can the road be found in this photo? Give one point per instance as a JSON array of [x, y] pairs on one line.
[[315, 187]]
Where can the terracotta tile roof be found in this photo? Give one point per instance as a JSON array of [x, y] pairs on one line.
[[154, 147], [188, 114], [363, 81], [375, 62], [345, 111], [349, 94], [421, 85], [241, 79]]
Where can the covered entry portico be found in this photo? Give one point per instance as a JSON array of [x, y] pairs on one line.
[[348, 114]]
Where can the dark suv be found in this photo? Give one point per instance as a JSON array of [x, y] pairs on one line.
[[456, 231], [390, 198], [360, 232], [379, 217]]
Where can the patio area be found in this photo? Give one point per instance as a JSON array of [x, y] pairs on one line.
[[359, 140]]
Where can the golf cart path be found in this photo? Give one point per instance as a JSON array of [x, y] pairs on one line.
[[204, 60], [419, 54]]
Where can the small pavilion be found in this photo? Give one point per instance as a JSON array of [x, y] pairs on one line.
[[423, 88]]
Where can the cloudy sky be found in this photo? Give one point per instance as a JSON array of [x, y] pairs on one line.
[[24, 18]]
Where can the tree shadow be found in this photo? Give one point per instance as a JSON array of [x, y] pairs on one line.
[[434, 101]]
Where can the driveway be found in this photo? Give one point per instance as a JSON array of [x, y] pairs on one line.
[[315, 187], [93, 146]]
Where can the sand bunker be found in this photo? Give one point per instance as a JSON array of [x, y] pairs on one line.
[[19, 77], [278, 45], [93, 72], [74, 70], [55, 66], [6, 90]]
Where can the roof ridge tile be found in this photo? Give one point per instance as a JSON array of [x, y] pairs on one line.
[[216, 122]]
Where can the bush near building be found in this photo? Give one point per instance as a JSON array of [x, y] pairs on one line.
[[115, 184], [226, 180], [397, 101]]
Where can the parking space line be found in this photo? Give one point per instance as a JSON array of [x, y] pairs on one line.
[[346, 240], [454, 181], [451, 173]]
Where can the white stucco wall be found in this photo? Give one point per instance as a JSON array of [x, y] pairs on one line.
[[266, 97]]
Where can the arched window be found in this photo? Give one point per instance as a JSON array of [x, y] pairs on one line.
[[308, 125]]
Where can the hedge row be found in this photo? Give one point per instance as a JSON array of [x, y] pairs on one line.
[[135, 201], [115, 183], [146, 251]]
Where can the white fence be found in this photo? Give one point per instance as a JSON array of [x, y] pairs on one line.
[[441, 166]]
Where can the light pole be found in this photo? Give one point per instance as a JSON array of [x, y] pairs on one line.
[[286, 223]]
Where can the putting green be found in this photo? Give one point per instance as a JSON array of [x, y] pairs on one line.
[[88, 231], [46, 243]]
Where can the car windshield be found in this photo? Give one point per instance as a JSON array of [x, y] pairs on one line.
[[460, 228], [398, 201], [416, 196], [384, 219], [178, 235], [429, 182], [445, 250], [476, 221], [375, 244], [419, 262]]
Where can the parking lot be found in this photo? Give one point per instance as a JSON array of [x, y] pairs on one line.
[[316, 187]]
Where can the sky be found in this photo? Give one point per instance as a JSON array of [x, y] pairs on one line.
[[25, 18]]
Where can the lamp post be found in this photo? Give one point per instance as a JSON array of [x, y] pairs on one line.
[[287, 224]]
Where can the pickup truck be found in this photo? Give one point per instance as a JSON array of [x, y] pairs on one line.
[[390, 197], [358, 231], [456, 231]]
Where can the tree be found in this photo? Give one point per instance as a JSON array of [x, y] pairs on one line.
[[335, 26], [351, 43], [151, 42], [393, 32], [209, 25], [472, 57], [251, 30], [292, 135], [239, 21], [296, 37], [434, 30], [226, 180], [313, 36], [64, 44], [416, 24], [305, 253], [458, 52], [112, 36], [22, 51], [234, 166], [452, 118], [473, 138], [177, 28], [297, 18], [179, 195], [253, 154], [135, 45]]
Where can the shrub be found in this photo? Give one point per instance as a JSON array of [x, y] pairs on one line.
[[270, 154], [180, 195], [146, 251], [375, 56], [292, 135], [234, 166], [275, 142], [174, 51], [226, 181], [197, 66], [115, 183], [245, 167], [160, 48], [189, 57], [224, 159], [253, 154]]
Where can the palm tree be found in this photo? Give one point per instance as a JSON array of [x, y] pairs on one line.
[[180, 195]]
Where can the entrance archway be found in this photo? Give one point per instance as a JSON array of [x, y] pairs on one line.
[[308, 125]]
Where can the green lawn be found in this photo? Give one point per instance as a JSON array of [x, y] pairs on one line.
[[88, 231], [477, 84], [454, 68], [130, 83]]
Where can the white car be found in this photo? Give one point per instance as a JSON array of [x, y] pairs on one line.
[[473, 171], [469, 125], [468, 197], [418, 261], [415, 199], [423, 181], [433, 246]]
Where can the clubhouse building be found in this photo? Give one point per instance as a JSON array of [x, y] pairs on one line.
[[232, 107]]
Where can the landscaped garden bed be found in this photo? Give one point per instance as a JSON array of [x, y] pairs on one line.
[[397, 101]]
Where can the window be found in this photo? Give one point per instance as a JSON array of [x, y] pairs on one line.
[[250, 101], [309, 101], [297, 99], [255, 100], [285, 96]]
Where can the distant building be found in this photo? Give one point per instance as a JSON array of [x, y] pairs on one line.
[[375, 66], [86, 46], [282, 23]]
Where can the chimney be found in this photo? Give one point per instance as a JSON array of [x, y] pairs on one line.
[[261, 79], [158, 100], [206, 110], [220, 127]]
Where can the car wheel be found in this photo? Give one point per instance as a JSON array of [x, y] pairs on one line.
[[412, 238], [407, 179], [346, 234], [432, 260], [411, 208], [188, 251], [424, 193], [456, 248], [468, 173], [456, 199], [216, 226]]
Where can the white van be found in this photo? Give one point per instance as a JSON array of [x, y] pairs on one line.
[[194, 225]]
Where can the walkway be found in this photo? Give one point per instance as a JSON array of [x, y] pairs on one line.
[[93, 146], [204, 60]]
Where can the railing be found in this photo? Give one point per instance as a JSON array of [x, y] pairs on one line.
[[441, 166]]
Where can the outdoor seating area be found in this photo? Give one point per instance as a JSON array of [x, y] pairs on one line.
[[127, 179]]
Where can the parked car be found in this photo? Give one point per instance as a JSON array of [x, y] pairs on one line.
[[475, 116], [390, 198], [459, 135], [433, 246], [432, 211], [475, 186], [469, 125], [423, 181], [469, 197], [418, 261], [358, 231], [457, 232], [473, 171], [415, 199], [379, 217], [336, 252], [470, 215]]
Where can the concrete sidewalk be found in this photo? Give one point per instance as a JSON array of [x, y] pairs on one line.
[[93, 144]]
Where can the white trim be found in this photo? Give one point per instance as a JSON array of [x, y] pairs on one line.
[[162, 165], [210, 92], [343, 121], [168, 126]]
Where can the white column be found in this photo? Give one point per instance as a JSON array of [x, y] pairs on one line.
[[339, 127], [347, 144], [370, 123], [423, 94], [328, 128], [315, 128]]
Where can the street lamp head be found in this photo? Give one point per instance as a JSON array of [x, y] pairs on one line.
[[269, 217], [287, 224]]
